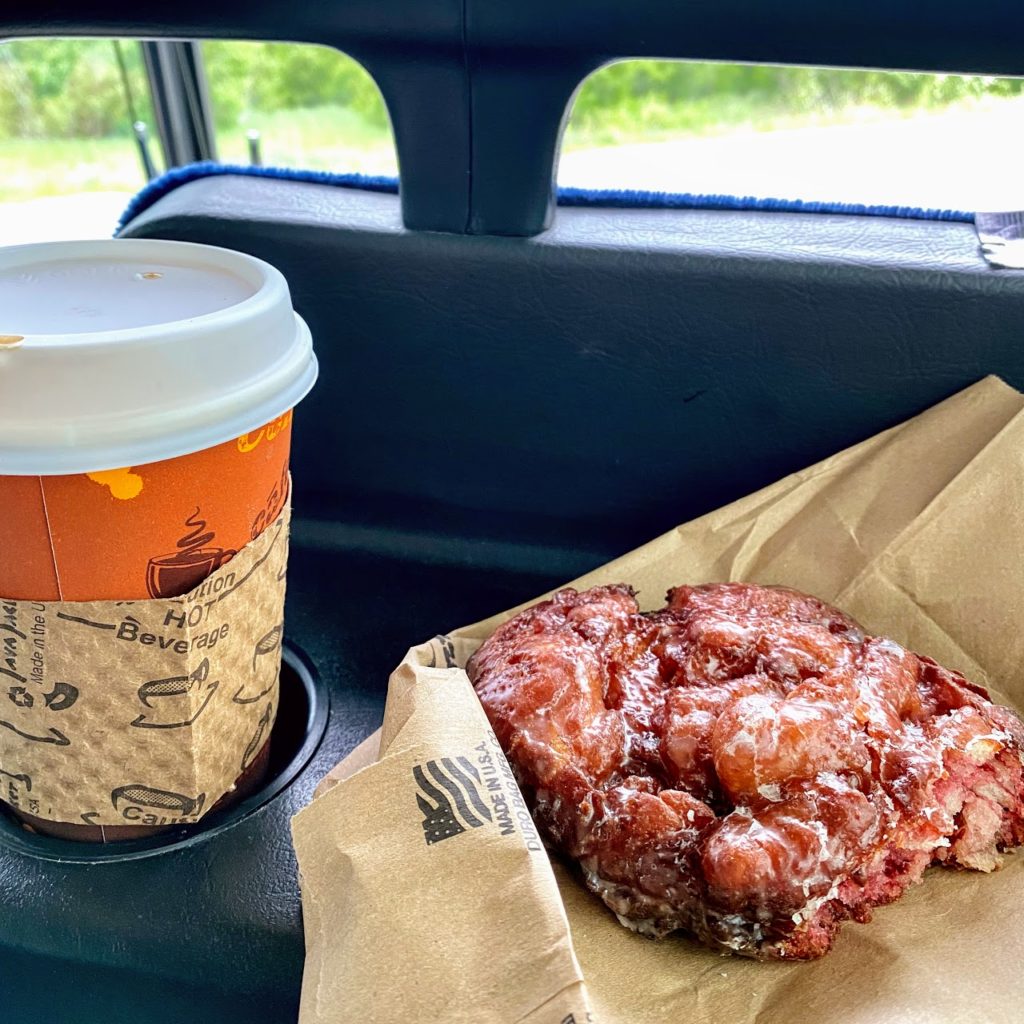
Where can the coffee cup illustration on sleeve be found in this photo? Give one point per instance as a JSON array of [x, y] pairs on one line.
[[180, 571], [169, 371]]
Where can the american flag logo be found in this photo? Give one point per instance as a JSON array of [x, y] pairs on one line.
[[449, 798]]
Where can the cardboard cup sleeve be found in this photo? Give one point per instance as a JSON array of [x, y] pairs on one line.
[[142, 712]]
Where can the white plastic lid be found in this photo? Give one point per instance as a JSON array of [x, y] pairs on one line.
[[128, 351]]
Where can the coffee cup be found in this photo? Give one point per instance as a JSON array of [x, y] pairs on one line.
[[146, 397]]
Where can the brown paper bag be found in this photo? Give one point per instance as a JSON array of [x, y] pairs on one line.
[[465, 930], [919, 533]]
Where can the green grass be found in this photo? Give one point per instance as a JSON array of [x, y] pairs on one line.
[[51, 167], [326, 138], [322, 138], [333, 138], [651, 119]]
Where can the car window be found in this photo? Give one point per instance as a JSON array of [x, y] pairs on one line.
[[69, 160], [307, 106], [822, 134], [80, 135]]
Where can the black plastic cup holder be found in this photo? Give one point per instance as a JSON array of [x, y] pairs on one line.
[[300, 726]]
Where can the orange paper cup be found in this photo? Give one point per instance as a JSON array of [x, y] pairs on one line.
[[150, 531], [170, 371]]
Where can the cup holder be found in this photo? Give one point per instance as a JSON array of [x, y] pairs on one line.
[[300, 725]]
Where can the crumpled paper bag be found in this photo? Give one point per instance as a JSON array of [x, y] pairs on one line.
[[418, 911]]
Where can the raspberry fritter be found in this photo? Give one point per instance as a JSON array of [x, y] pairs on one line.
[[746, 764]]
